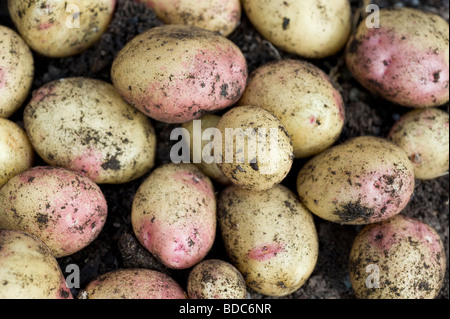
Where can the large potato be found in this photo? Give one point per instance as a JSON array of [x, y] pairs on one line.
[[176, 73], [270, 237], [405, 60], [28, 269], [64, 209], [16, 71], [364, 180], [84, 125], [16, 152], [174, 215], [424, 135], [58, 29], [309, 28], [400, 258], [303, 98]]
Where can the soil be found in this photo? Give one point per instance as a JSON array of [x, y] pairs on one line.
[[116, 247]]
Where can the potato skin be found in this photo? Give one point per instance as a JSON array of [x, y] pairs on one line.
[[406, 60], [49, 27], [174, 215], [64, 209], [84, 125], [28, 269], [308, 28], [16, 71], [270, 238], [176, 73], [16, 152], [133, 284], [424, 135], [303, 98], [364, 180], [216, 279], [410, 257]]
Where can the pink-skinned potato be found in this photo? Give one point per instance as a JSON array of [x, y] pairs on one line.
[[28, 269], [133, 284], [64, 209], [405, 60], [174, 215], [176, 73]]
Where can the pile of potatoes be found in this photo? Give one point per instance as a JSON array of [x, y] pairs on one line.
[[188, 73]]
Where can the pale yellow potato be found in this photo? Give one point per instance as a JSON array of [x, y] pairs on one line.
[[16, 152], [303, 98], [424, 135], [16, 71], [270, 237], [309, 28], [211, 169], [28, 269], [58, 29], [84, 125]]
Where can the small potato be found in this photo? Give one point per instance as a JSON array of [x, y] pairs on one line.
[[195, 130], [222, 16], [309, 28], [16, 71], [254, 150], [133, 284], [28, 269], [59, 29], [16, 152], [404, 258], [176, 73], [364, 180], [303, 98], [424, 135], [216, 279], [64, 209], [270, 238], [405, 60], [84, 125], [174, 215]]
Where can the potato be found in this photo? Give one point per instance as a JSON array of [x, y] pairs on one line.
[[270, 238], [28, 269], [309, 28], [216, 279], [84, 125], [60, 29], [303, 98], [174, 215], [64, 209], [16, 71], [406, 60], [206, 122], [255, 151], [16, 152], [364, 180], [133, 284], [400, 258], [424, 135], [222, 16], [176, 73]]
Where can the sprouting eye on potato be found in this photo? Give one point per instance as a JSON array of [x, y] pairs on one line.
[[424, 135], [65, 210], [60, 29], [16, 71], [405, 60], [400, 258], [84, 125], [176, 73], [28, 270], [364, 180]]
